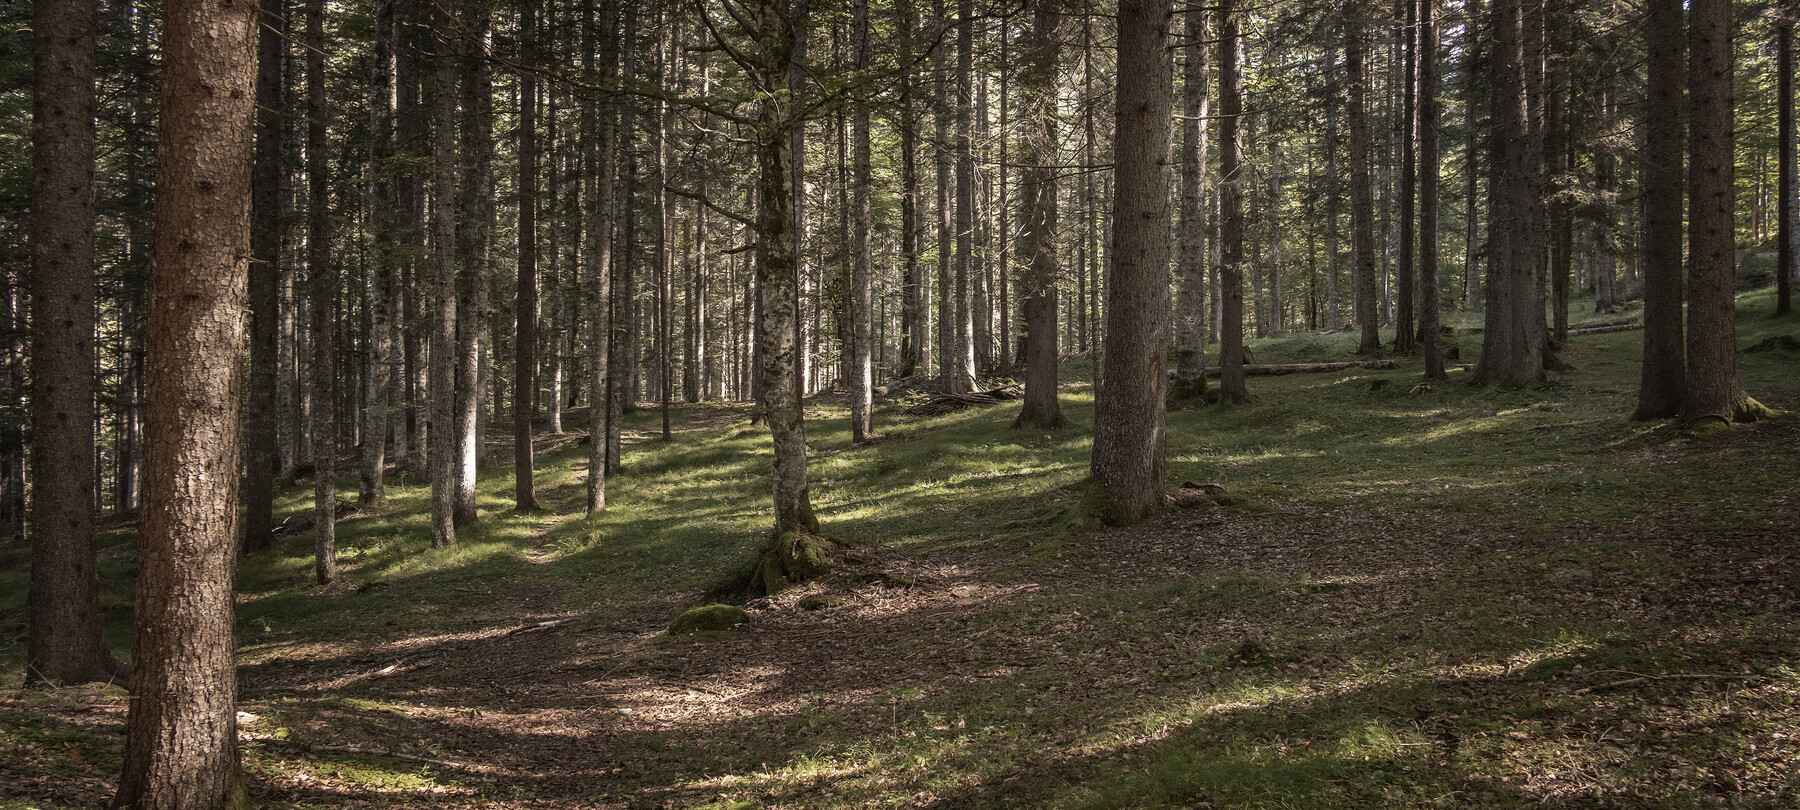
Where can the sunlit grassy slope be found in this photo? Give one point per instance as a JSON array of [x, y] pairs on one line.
[[688, 516]]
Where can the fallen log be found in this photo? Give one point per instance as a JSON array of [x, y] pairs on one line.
[[947, 403], [1272, 369], [1602, 329]]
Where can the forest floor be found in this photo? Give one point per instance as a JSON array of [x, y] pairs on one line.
[[1405, 597]]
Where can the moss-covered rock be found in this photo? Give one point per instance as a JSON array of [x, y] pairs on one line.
[[708, 619]]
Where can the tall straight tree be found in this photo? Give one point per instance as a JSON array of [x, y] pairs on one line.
[[948, 367], [1190, 298], [1231, 206], [1038, 216], [1430, 341], [964, 377], [63, 642], [443, 240], [1788, 193], [322, 276], [265, 301], [913, 332], [1129, 402], [862, 276], [525, 299], [1362, 198], [378, 278], [181, 737], [1713, 390], [598, 133], [1664, 365], [1515, 342], [1409, 183], [475, 234]]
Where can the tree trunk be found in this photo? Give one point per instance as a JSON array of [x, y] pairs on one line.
[[1665, 359], [597, 132], [1190, 300], [1404, 305], [1038, 217], [778, 271], [1712, 387], [948, 366], [378, 283], [526, 294], [1129, 402], [1362, 199], [1231, 206], [914, 334], [265, 302], [862, 282], [1788, 195], [443, 321], [181, 744], [63, 642], [1430, 303], [476, 223], [963, 380], [322, 276], [1514, 341]]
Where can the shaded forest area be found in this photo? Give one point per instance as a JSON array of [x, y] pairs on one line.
[[604, 311]]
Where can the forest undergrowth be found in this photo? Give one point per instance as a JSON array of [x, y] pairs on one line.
[[1405, 596]]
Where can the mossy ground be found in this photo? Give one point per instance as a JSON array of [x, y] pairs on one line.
[[1407, 597]]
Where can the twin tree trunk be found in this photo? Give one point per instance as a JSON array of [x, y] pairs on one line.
[[1515, 342], [181, 745], [1129, 402]]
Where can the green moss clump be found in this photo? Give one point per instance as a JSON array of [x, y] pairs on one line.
[[708, 619], [792, 557]]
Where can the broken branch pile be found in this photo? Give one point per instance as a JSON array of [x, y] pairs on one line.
[[948, 403]]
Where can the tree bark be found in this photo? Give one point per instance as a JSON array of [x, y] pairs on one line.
[[1190, 299], [862, 281], [1404, 305], [1362, 199], [963, 378], [181, 744], [914, 334], [1038, 217], [1515, 341], [443, 244], [778, 269], [476, 225], [1665, 358], [1231, 206], [322, 276], [1129, 402], [1430, 303], [265, 302], [526, 292], [1712, 389], [597, 131], [63, 640], [1788, 195]]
